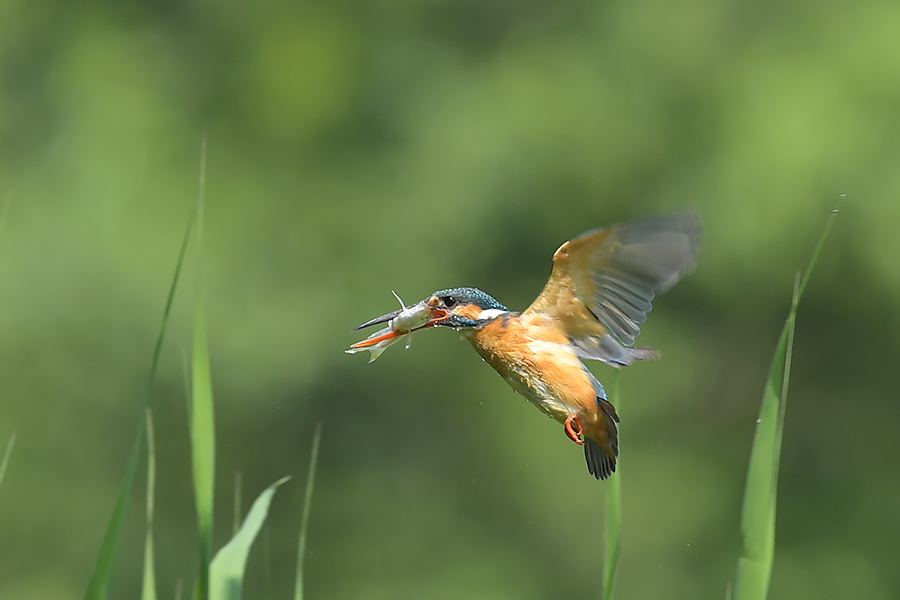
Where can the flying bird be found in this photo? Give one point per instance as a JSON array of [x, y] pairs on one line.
[[601, 287]]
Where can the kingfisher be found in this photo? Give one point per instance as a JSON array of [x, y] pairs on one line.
[[601, 287]]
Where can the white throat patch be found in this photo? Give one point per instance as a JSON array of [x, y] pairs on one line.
[[491, 313]]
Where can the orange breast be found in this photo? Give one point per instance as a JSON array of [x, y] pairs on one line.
[[535, 358]]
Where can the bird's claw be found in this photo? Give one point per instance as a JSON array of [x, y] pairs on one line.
[[573, 429]]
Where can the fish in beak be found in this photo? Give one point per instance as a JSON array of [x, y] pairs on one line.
[[400, 322]]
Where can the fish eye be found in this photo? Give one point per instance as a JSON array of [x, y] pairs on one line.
[[449, 301]]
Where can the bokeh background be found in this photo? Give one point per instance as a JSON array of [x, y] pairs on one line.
[[357, 148]]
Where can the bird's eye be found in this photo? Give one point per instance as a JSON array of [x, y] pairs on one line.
[[449, 301]]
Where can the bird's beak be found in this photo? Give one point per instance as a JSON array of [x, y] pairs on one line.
[[400, 322], [378, 320]]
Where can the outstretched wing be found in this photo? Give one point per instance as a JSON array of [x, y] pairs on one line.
[[604, 281]]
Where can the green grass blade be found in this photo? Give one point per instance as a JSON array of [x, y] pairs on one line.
[[5, 462], [236, 524], [612, 539], [760, 496], [202, 425], [758, 516], [267, 562], [304, 519], [98, 587], [819, 245], [157, 349], [102, 574], [148, 589], [226, 573]]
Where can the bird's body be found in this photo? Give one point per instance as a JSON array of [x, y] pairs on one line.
[[600, 289], [538, 362]]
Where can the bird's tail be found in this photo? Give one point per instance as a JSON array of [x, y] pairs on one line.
[[601, 440]]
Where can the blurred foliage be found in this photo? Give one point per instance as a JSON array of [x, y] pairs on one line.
[[356, 148]]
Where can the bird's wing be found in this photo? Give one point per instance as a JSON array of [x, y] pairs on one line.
[[604, 281]]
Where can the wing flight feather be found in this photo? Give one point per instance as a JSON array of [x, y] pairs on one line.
[[604, 281]]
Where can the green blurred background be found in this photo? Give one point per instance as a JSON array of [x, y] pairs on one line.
[[357, 148]]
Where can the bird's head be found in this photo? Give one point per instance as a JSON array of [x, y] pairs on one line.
[[462, 308], [465, 307]]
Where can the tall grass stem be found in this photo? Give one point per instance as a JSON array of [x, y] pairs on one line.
[[202, 425], [148, 589], [98, 585], [755, 563], [612, 538], [307, 504], [6, 455]]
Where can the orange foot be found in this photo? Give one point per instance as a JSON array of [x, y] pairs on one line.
[[573, 429]]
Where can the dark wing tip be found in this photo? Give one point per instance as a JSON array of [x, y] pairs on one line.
[[600, 464], [659, 251], [636, 262]]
